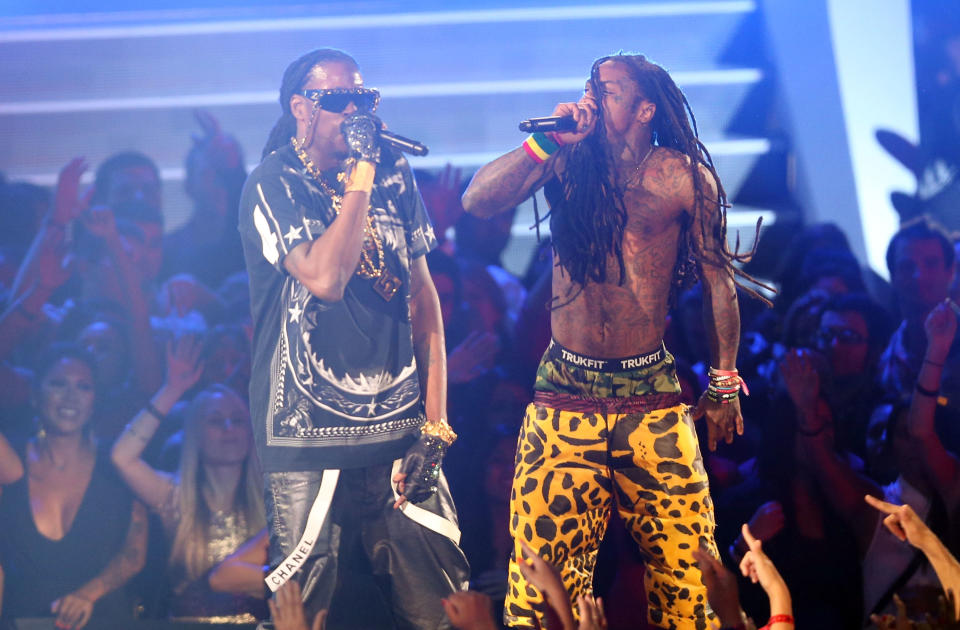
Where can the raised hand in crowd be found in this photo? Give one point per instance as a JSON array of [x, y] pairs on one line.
[[469, 610], [761, 570], [545, 578], [722, 592], [945, 619], [286, 610], [117, 278], [47, 266], [800, 377], [68, 204], [940, 327], [904, 523], [473, 357], [221, 150], [900, 621], [183, 371], [942, 466]]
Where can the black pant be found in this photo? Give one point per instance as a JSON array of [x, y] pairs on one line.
[[418, 566]]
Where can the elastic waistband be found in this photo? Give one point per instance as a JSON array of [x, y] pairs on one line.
[[637, 362], [588, 404]]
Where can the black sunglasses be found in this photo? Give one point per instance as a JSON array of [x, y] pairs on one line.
[[337, 99]]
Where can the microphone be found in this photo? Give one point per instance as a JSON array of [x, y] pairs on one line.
[[403, 144], [549, 123]]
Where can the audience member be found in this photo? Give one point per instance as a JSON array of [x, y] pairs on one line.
[[903, 522], [722, 591], [887, 567], [127, 176], [207, 245], [851, 335], [791, 516], [920, 258], [213, 504], [72, 534]]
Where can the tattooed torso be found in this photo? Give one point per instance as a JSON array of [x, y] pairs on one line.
[[615, 319]]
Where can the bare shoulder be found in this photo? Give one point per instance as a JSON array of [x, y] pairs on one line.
[[667, 174], [670, 175]]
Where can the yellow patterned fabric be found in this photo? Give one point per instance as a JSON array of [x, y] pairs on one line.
[[575, 465]]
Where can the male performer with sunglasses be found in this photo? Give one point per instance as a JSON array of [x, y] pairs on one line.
[[348, 387]]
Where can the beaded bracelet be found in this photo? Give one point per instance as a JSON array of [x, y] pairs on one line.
[[725, 382], [539, 147]]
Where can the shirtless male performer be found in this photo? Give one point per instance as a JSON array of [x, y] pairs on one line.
[[636, 212]]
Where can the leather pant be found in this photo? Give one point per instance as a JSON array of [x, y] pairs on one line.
[[419, 566]]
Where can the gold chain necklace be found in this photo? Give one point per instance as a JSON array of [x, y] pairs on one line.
[[372, 245], [636, 169]]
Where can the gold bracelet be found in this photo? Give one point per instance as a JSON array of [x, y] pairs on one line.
[[361, 177], [439, 429]]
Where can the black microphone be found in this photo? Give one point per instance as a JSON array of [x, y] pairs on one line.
[[549, 123], [403, 144]]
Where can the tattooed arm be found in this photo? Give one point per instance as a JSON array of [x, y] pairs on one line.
[[511, 178], [428, 341], [73, 610], [721, 313], [505, 183]]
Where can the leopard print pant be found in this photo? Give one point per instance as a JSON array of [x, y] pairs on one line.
[[574, 467]]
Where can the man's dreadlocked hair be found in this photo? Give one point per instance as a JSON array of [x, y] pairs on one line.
[[294, 78], [587, 220]]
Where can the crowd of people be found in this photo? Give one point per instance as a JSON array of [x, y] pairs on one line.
[[130, 486]]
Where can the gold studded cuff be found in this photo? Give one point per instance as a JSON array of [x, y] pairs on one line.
[[439, 429]]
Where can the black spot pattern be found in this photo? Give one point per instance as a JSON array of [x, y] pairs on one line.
[[563, 496]]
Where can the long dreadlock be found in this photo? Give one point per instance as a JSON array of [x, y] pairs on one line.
[[294, 78], [587, 220]]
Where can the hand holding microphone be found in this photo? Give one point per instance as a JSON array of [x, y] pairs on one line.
[[365, 134], [571, 121]]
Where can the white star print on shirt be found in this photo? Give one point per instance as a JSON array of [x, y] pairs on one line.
[[295, 313], [292, 234]]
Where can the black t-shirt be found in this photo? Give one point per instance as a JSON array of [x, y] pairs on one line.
[[38, 570], [334, 384]]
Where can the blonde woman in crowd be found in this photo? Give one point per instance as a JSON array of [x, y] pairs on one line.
[[213, 505]]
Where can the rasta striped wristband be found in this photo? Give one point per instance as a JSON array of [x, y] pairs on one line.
[[539, 147]]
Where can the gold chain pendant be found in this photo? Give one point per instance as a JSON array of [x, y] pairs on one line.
[[372, 248]]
